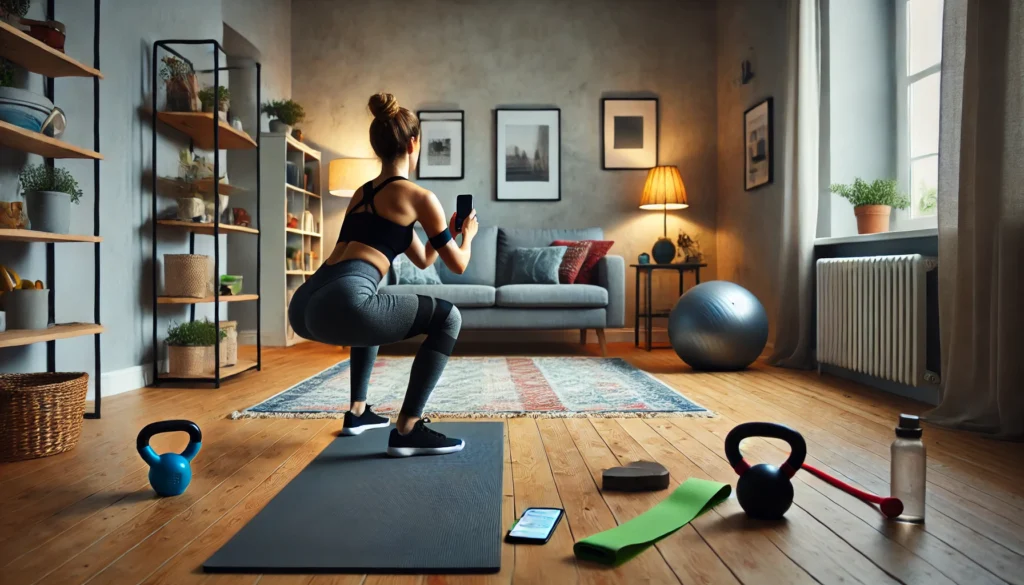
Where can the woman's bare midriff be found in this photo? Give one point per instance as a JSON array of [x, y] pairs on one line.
[[357, 251]]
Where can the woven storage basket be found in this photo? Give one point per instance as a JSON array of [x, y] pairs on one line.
[[229, 345], [184, 361], [186, 275], [40, 414]]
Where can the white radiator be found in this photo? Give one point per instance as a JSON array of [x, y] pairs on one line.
[[871, 315]]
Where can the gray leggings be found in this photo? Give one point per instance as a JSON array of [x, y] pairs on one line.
[[340, 305]]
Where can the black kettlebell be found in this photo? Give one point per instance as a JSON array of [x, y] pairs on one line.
[[764, 491]]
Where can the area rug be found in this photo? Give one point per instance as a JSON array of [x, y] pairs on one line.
[[480, 387]]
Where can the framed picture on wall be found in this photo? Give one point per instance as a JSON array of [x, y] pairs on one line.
[[629, 133], [442, 145], [758, 136], [528, 165]]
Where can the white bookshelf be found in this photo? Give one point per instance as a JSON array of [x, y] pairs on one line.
[[278, 200]]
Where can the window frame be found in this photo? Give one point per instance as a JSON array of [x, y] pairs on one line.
[[904, 219]]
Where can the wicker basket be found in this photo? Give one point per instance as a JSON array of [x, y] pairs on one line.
[[187, 275], [229, 345], [40, 414], [189, 361]]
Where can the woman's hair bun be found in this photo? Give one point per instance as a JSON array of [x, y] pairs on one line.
[[383, 106]]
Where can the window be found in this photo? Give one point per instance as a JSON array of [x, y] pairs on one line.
[[919, 59]]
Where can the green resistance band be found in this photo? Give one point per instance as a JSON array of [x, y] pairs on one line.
[[620, 544]]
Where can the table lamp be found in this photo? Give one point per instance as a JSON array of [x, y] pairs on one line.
[[664, 190], [348, 174]]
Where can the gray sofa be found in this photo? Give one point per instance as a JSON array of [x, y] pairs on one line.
[[487, 300]]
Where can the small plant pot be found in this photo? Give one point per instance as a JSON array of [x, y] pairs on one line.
[[49, 211], [27, 308], [183, 94], [872, 219], [189, 360], [279, 126]]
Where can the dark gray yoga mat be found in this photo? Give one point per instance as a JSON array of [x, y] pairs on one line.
[[353, 509]]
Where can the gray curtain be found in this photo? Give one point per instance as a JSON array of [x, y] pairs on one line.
[[794, 329], [981, 217]]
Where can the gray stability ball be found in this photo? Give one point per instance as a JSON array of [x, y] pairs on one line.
[[718, 325]]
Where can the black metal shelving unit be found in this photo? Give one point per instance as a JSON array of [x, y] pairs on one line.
[[167, 45], [37, 58]]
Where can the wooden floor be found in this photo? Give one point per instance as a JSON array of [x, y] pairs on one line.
[[88, 516]]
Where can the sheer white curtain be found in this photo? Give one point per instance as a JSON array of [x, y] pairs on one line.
[[981, 217], [794, 331]]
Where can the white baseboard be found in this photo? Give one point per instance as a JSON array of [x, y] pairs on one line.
[[125, 380]]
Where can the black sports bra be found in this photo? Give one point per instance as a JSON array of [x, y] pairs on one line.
[[366, 227]]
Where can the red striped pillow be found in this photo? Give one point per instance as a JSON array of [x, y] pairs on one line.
[[572, 261], [598, 249]]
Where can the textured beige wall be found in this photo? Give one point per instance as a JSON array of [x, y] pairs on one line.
[[749, 222], [477, 55]]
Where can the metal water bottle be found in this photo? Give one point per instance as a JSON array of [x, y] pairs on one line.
[[907, 475]]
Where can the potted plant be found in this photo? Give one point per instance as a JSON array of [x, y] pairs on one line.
[[190, 348], [181, 85], [49, 193], [872, 202], [286, 113], [223, 100]]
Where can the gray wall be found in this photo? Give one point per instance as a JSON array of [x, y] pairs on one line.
[[129, 28], [477, 55], [750, 222], [862, 103]]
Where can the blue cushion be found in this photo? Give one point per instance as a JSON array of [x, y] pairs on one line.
[[537, 265], [408, 273], [512, 238]]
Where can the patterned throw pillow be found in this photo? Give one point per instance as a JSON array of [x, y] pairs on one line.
[[598, 249], [575, 254], [408, 273], [536, 265]]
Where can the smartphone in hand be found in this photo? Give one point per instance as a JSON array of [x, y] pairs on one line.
[[463, 208]]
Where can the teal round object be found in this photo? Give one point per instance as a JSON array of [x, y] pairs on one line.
[[664, 251]]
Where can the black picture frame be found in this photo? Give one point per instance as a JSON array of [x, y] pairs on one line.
[[423, 146], [657, 133], [498, 153], [768, 143]]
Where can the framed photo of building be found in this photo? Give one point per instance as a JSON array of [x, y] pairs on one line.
[[528, 156], [442, 145], [758, 136], [629, 133]]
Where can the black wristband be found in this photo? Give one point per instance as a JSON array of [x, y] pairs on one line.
[[440, 240]]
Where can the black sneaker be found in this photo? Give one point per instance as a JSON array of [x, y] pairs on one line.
[[355, 425], [422, 441]]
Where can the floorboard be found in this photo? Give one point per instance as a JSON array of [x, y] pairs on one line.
[[89, 515]]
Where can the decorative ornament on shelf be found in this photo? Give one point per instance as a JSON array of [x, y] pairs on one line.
[[664, 190], [12, 215], [241, 217], [181, 85], [644, 258], [297, 134], [689, 248]]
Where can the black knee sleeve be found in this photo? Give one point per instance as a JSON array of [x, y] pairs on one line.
[[430, 319], [423, 315]]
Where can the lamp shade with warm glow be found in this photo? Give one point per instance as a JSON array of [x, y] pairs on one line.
[[348, 174], [663, 190]]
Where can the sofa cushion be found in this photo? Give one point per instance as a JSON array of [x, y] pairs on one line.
[[460, 295], [482, 263], [550, 296], [575, 255], [536, 265], [598, 250], [406, 272], [511, 238]]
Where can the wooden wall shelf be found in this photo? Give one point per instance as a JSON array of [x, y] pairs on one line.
[[296, 146], [9, 235], [202, 185], [18, 337], [199, 127], [291, 187], [206, 228], [38, 57], [12, 136], [209, 299]]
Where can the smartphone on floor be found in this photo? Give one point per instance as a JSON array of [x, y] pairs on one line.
[[535, 526], [463, 207]]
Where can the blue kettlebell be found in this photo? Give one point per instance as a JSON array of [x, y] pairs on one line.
[[170, 473]]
